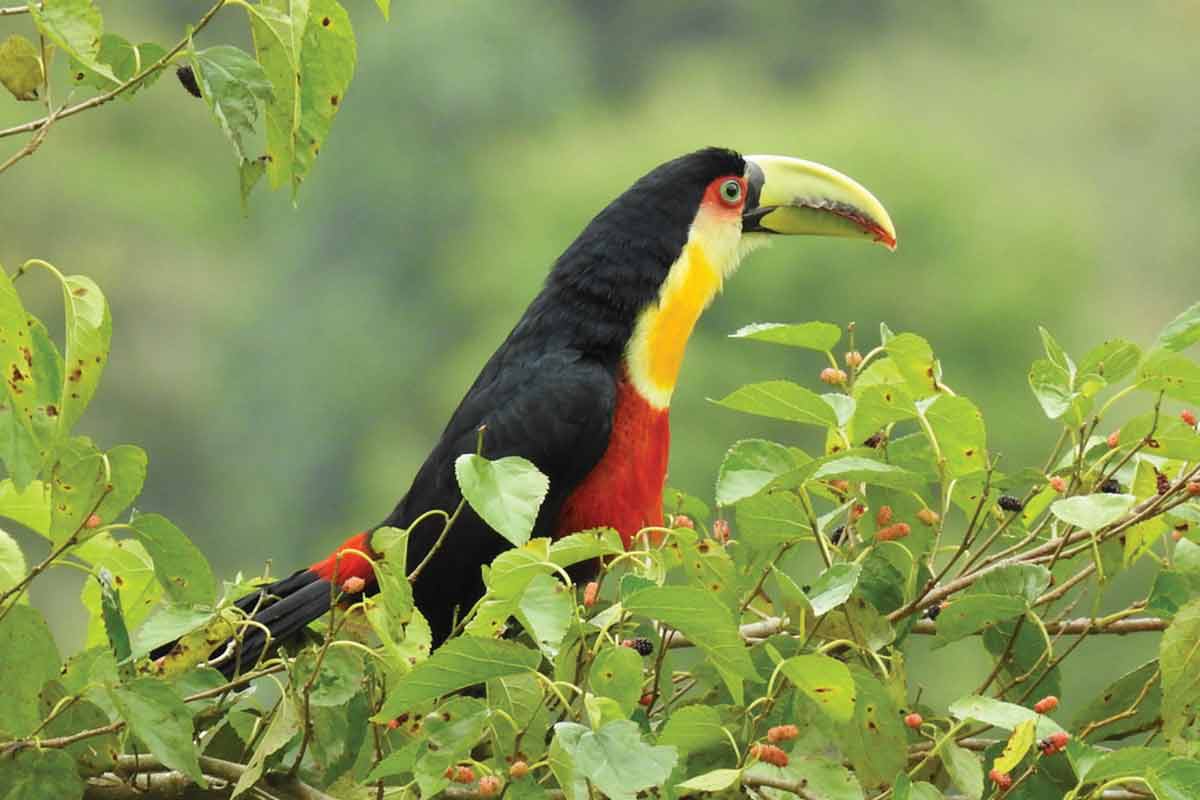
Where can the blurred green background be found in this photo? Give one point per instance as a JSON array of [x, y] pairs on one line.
[[288, 371]]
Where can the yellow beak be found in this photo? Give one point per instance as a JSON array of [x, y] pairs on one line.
[[792, 196]]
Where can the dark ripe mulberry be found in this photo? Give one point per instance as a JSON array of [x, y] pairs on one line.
[[875, 440], [1010, 503], [932, 612], [188, 78], [838, 532], [1162, 482], [641, 645], [1110, 486]]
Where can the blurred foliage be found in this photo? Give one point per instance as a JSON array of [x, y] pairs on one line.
[[1039, 160]]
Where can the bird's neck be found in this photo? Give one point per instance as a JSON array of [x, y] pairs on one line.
[[655, 351]]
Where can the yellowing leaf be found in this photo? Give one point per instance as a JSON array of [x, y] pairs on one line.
[[1018, 745]]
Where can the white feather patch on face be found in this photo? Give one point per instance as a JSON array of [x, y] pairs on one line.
[[714, 249]]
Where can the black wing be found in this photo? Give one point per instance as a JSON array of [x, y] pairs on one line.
[[554, 409]]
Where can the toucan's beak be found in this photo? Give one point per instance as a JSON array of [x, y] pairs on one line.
[[788, 195]]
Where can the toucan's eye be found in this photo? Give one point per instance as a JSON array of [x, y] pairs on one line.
[[731, 192]]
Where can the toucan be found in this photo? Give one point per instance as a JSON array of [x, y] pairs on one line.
[[582, 385]]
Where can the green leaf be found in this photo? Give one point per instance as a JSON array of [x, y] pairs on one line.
[[825, 778], [28, 659], [385, 8], [857, 468], [78, 482], [1175, 375], [133, 573], [12, 562], [616, 672], [691, 729], [1181, 332], [583, 546], [1178, 779], [20, 447], [717, 780], [545, 610], [30, 507], [905, 789], [825, 680], [770, 519], [619, 763], [506, 493], [285, 724], [327, 65], [277, 28], [1026, 581], [521, 698], [1120, 696], [233, 85], [1025, 657], [1051, 385], [457, 664], [750, 466], [1112, 361], [75, 26], [1133, 762], [961, 438], [94, 755], [1000, 714], [33, 774], [1179, 655], [308, 56], [1018, 745], [341, 676], [874, 740], [833, 587], [967, 614], [89, 331], [168, 623], [877, 406], [158, 717], [20, 67], [179, 565], [781, 400], [127, 474], [964, 768], [452, 730], [114, 620], [821, 336], [706, 621], [1092, 512], [123, 59], [913, 357]]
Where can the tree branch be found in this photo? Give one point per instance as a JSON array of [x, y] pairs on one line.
[[101, 99]]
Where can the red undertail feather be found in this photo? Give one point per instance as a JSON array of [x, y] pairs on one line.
[[346, 561], [624, 491]]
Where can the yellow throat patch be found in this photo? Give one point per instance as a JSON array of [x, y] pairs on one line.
[[655, 352]]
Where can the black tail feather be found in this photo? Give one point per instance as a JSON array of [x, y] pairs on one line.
[[284, 608]]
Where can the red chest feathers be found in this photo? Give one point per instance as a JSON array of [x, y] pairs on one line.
[[624, 491]]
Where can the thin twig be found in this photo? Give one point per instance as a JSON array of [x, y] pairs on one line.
[[101, 99]]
